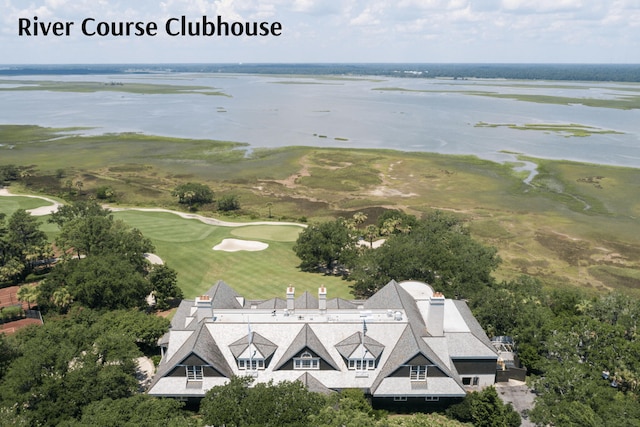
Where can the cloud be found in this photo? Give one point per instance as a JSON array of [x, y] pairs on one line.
[[348, 30]]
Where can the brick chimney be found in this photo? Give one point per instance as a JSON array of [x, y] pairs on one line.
[[322, 299], [291, 295], [435, 315]]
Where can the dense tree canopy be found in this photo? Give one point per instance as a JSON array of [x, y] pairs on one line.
[[137, 411], [104, 265], [437, 250], [193, 194], [23, 246], [321, 246], [56, 369], [485, 409], [164, 285]]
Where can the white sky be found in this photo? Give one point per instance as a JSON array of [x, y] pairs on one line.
[[526, 31]]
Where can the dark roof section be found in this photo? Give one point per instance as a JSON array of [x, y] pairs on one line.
[[312, 384], [306, 338], [223, 296], [264, 346], [305, 301], [347, 346]]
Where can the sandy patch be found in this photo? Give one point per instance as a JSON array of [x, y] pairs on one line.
[[235, 245], [376, 243], [383, 191], [154, 259]]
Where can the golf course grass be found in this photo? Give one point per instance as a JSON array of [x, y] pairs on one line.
[[187, 246]]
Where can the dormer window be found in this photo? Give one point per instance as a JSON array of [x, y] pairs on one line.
[[306, 361], [362, 364], [251, 364], [418, 373], [195, 373]]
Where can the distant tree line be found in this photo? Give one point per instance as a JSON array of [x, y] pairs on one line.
[[584, 72]]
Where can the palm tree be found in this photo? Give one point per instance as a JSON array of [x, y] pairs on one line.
[[359, 218], [28, 294], [62, 299], [371, 232]]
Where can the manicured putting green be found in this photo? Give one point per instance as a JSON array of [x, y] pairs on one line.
[[276, 233]]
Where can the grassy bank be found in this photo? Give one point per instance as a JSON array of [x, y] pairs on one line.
[[575, 225]]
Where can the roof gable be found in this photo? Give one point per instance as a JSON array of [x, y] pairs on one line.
[[202, 345], [223, 296], [306, 338], [347, 346], [261, 344], [386, 298], [313, 384], [407, 347], [306, 301]]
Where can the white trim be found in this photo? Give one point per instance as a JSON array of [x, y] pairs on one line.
[[194, 372], [418, 372]]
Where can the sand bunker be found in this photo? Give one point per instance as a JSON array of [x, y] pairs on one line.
[[154, 259], [235, 245]]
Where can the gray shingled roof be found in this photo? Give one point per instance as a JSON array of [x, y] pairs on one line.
[[313, 384], [179, 318], [264, 346], [385, 298], [347, 346], [473, 324], [306, 301], [339, 303], [306, 338], [202, 344], [223, 296], [273, 303], [408, 346]]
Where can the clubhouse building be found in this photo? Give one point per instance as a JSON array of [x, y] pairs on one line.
[[406, 346]]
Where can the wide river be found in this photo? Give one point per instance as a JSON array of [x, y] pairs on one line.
[[437, 115]]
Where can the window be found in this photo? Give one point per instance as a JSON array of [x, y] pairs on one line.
[[250, 364], [194, 373], [362, 365], [418, 373], [399, 398], [431, 398], [470, 381], [306, 361]]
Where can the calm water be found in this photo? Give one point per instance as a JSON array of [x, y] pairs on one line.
[[274, 111]]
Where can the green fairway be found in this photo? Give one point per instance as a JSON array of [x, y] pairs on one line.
[[187, 246], [9, 205]]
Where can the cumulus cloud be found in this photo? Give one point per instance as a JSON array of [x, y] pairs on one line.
[[366, 30]]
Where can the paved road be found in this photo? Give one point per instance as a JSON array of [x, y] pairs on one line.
[[519, 395]]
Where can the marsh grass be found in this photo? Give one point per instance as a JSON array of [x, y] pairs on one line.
[[567, 130], [86, 87], [622, 102], [596, 205]]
